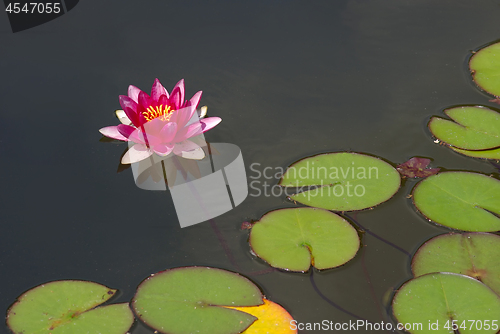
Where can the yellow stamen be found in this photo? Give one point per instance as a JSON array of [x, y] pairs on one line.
[[164, 113]]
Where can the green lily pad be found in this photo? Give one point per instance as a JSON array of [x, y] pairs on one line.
[[484, 66], [293, 239], [187, 300], [472, 254], [472, 128], [69, 307], [460, 200], [486, 154], [443, 300], [344, 181]]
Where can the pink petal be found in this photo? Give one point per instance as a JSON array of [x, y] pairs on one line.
[[168, 132], [145, 100], [125, 130], [141, 136], [112, 132], [188, 132], [154, 127], [158, 90], [195, 100], [180, 87], [133, 93], [175, 99], [163, 100], [209, 123], [163, 149], [130, 108], [184, 115], [136, 153]]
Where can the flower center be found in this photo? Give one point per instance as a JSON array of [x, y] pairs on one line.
[[160, 111]]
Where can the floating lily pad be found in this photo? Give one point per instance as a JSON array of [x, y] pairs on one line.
[[460, 200], [472, 254], [484, 66], [187, 300], [68, 307], [272, 319], [293, 239], [471, 128], [485, 154], [344, 181], [446, 298]]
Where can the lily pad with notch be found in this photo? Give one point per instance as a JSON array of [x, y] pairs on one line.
[[69, 307], [460, 200], [471, 128], [192, 299], [484, 66], [293, 239], [342, 181], [472, 254], [448, 299]]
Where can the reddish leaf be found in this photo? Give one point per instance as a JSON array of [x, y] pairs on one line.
[[416, 167]]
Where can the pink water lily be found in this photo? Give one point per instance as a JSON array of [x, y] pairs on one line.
[[159, 123]]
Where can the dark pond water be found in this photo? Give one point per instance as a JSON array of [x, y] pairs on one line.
[[290, 79]]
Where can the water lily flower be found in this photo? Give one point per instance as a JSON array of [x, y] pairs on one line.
[[160, 123]]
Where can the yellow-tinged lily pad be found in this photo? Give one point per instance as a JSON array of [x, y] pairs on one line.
[[272, 318], [293, 239], [62, 307]]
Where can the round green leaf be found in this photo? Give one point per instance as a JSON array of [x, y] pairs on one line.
[[68, 307], [293, 239], [472, 128], [187, 300], [486, 154], [343, 181], [460, 200], [472, 254], [439, 299], [484, 66]]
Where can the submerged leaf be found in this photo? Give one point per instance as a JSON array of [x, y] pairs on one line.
[[446, 298], [472, 254], [460, 200], [471, 128], [344, 181], [189, 299], [293, 239], [416, 167], [68, 307], [484, 66]]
